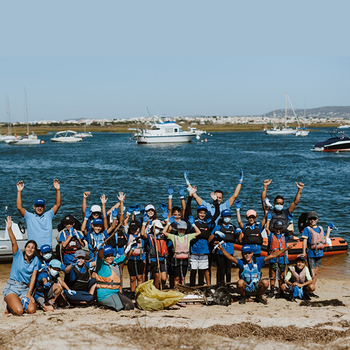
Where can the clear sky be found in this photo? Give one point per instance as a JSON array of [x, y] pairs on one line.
[[108, 59]]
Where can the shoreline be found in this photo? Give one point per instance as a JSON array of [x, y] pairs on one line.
[[123, 128]]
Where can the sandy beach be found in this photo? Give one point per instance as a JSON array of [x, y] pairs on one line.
[[280, 324]]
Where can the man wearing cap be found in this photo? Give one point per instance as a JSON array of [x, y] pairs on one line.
[[78, 278], [298, 281], [219, 194], [313, 243], [250, 282], [39, 225]]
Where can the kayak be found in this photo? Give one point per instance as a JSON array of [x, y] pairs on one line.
[[339, 246]]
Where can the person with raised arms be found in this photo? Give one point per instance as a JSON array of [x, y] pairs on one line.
[[219, 194], [39, 224], [95, 212], [278, 210], [19, 288], [250, 282]]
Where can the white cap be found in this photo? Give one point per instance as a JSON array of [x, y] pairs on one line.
[[96, 209], [158, 224], [150, 207]]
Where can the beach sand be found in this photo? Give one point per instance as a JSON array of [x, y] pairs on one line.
[[280, 324]]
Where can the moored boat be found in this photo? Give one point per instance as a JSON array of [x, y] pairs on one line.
[[67, 136]]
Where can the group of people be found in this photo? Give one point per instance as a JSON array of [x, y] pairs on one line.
[[162, 246]]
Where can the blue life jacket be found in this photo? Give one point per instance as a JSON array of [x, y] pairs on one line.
[[249, 275]]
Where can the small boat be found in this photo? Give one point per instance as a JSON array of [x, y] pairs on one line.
[[339, 246], [8, 137], [83, 134], [21, 236], [163, 132], [338, 142], [67, 136], [344, 126], [301, 132]]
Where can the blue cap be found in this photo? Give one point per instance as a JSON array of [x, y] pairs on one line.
[[55, 263], [107, 250], [278, 224], [45, 248], [247, 248], [226, 212], [202, 207], [39, 201], [97, 221]]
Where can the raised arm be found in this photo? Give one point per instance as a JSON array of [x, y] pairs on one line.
[[238, 213], [20, 186], [104, 200], [224, 252], [237, 189], [277, 253], [300, 186], [183, 202], [11, 235], [84, 205], [121, 198], [188, 211], [56, 185], [266, 184], [217, 208]]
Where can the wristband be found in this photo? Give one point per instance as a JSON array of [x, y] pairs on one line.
[[170, 196]]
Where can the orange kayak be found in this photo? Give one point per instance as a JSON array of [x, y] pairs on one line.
[[339, 246]]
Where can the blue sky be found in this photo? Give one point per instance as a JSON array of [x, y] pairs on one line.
[[109, 59]]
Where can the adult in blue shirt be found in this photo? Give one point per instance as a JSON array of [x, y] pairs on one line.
[[250, 282], [39, 224], [219, 194], [19, 288]]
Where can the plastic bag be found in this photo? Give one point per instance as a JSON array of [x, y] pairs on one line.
[[149, 298]]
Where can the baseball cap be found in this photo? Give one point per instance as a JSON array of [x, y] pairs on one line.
[[247, 248], [226, 212], [108, 250], [278, 224], [55, 263], [39, 201], [182, 225], [150, 207], [250, 213], [79, 253], [301, 257], [97, 221], [134, 226], [202, 207], [45, 248], [96, 209], [69, 219], [312, 214]]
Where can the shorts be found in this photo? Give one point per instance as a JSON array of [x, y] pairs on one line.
[[277, 266], [154, 267], [313, 262], [180, 265], [136, 267], [118, 302], [42, 299], [199, 261], [15, 287]]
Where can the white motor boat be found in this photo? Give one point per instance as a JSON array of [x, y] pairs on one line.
[[163, 132], [67, 136], [21, 236], [25, 140], [302, 132], [83, 134], [344, 126], [279, 130], [7, 138]]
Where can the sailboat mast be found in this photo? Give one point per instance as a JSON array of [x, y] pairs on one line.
[[285, 111], [25, 94], [8, 116]]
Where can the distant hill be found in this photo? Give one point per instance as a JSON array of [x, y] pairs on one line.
[[330, 112]]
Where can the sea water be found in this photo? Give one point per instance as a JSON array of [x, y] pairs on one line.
[[108, 163]]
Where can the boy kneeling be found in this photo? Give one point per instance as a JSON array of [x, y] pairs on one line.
[[250, 282], [298, 282]]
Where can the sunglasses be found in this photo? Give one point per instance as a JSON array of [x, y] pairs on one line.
[[279, 203], [313, 218], [96, 213], [251, 217]]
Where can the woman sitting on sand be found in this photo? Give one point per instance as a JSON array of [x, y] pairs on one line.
[[25, 266]]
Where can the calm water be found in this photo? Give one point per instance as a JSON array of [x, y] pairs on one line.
[[109, 163]]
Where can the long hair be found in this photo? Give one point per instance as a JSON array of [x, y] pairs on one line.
[[35, 245]]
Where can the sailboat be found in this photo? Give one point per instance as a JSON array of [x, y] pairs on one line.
[[8, 137], [28, 139], [280, 130], [83, 134], [300, 131]]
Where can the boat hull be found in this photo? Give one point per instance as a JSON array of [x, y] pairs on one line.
[[280, 132], [24, 142], [164, 139], [66, 140], [339, 246]]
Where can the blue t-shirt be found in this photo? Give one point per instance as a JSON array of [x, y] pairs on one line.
[[39, 228], [68, 258], [312, 253], [280, 259], [21, 271], [103, 270], [98, 238], [260, 261], [211, 208]]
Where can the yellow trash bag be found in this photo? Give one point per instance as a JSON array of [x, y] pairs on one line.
[[149, 298]]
